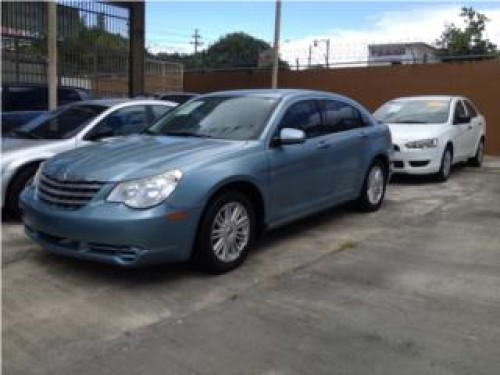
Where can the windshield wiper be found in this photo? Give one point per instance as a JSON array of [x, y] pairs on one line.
[[408, 122], [187, 134], [22, 132]]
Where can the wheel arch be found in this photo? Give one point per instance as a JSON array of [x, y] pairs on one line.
[[251, 191], [20, 168]]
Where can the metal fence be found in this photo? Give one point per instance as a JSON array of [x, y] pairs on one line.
[[93, 48]]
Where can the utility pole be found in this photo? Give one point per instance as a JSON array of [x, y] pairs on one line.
[[276, 47], [328, 53], [52, 52], [196, 36], [297, 63], [310, 56]]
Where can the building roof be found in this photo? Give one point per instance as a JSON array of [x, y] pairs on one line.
[[401, 45]]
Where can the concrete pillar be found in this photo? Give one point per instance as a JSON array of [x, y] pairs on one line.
[[52, 53], [137, 49]]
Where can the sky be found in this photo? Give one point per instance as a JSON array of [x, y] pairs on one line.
[[350, 26]]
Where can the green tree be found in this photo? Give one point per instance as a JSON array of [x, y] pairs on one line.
[[470, 41], [234, 50]]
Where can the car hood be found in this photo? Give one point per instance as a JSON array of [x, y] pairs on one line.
[[20, 144], [136, 157], [15, 148], [414, 132]]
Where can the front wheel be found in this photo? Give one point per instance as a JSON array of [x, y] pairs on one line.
[[374, 187], [477, 160], [446, 162], [226, 233]]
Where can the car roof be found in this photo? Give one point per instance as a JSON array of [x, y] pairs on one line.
[[428, 97], [179, 93], [276, 93], [116, 101]]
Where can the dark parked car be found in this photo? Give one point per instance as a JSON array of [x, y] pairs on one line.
[[22, 103]]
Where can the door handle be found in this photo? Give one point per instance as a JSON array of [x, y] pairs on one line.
[[469, 127], [323, 145]]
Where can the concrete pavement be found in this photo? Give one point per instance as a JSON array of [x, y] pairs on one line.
[[413, 289]]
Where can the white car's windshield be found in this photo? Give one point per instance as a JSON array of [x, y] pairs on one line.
[[59, 124], [224, 117], [414, 112]]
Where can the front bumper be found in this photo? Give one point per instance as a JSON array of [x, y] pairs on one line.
[[416, 161], [110, 233]]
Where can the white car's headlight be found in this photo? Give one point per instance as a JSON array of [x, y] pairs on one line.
[[146, 192], [423, 143]]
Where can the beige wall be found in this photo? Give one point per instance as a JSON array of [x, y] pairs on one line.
[[480, 81]]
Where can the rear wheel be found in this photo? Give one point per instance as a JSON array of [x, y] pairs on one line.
[[373, 192], [226, 233], [477, 160], [16, 186], [446, 162]]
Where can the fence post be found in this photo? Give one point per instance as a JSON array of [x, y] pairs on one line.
[[52, 52]]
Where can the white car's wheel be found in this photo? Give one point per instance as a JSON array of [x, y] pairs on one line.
[[446, 163], [477, 160]]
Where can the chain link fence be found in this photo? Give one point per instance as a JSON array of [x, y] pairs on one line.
[[93, 48]]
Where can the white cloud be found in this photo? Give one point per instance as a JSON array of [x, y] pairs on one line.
[[415, 25]]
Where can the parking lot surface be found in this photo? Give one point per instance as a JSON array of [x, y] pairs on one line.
[[411, 289]]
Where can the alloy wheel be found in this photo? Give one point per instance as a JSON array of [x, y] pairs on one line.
[[375, 185], [230, 231]]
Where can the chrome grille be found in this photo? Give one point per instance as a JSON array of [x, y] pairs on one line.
[[66, 194]]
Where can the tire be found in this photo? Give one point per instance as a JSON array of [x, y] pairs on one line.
[[16, 186], [477, 160], [374, 187], [446, 163], [222, 243]]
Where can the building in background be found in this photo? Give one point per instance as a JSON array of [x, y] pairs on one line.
[[401, 53]]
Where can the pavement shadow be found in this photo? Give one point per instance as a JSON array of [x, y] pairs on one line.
[[407, 179], [63, 267]]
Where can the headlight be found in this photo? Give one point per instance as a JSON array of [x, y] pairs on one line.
[[146, 192], [423, 143]]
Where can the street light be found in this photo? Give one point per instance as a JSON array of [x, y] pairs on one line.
[[327, 43]]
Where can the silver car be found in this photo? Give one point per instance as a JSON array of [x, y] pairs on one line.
[[67, 128]]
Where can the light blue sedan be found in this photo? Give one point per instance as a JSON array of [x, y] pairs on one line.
[[208, 178]]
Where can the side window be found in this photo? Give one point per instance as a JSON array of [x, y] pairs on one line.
[[305, 116], [340, 116], [159, 110], [470, 109], [459, 110], [124, 121]]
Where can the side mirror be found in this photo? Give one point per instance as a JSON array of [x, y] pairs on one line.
[[100, 133], [289, 136], [461, 120]]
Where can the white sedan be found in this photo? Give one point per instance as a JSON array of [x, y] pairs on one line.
[[431, 133]]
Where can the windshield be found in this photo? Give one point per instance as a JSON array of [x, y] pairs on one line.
[[414, 112], [60, 124], [224, 117]]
